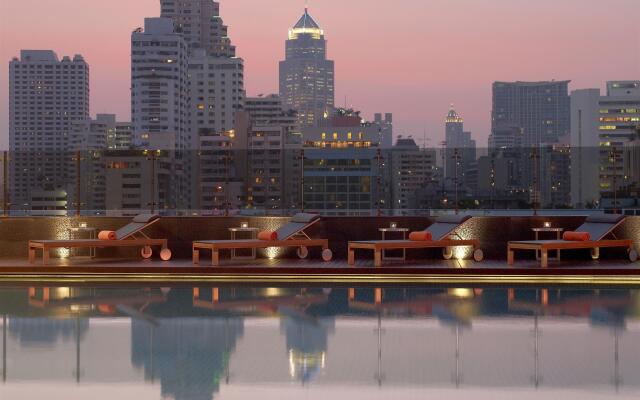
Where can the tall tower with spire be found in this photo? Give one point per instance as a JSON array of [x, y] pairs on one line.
[[460, 148], [306, 75]]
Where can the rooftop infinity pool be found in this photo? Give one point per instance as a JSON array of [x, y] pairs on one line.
[[400, 342]]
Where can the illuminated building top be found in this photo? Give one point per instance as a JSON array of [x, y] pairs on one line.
[[453, 116], [306, 26]]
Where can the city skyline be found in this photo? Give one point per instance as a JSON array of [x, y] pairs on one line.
[[417, 92]]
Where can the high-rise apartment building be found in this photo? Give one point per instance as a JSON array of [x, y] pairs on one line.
[[306, 75], [412, 169], [199, 22], [601, 128], [46, 97], [159, 87], [535, 114], [93, 138], [216, 93], [270, 146], [539, 109], [102, 133]]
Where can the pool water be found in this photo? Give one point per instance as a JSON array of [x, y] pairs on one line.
[[410, 342]]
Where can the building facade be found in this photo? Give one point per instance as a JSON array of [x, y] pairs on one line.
[[460, 155], [306, 75], [346, 172], [159, 87], [602, 125], [539, 109], [412, 170], [269, 146], [47, 96], [200, 24]]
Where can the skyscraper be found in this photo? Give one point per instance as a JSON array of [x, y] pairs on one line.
[[461, 149], [159, 87], [46, 97], [199, 22], [306, 76], [540, 109], [216, 92]]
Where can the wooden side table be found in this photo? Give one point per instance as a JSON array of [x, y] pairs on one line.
[[75, 232], [253, 234], [558, 232], [384, 232]]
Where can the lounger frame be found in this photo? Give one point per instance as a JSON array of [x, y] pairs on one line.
[[379, 245], [136, 239], [298, 239], [544, 246]]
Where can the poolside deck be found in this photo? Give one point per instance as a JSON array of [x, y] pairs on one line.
[[264, 271]]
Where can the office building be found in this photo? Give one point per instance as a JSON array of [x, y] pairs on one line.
[[345, 170], [539, 109], [602, 126], [306, 75]]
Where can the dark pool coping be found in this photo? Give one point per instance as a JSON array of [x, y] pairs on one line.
[[158, 273]]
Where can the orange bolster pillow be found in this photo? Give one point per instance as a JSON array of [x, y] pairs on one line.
[[268, 235], [107, 235], [420, 236], [576, 236]]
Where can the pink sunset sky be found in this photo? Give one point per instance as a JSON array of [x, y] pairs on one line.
[[409, 57]]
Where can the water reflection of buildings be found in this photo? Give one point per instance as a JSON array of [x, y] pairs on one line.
[[306, 332], [453, 307], [189, 340], [606, 311], [306, 345], [188, 355], [45, 331]]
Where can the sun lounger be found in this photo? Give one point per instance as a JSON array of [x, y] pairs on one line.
[[599, 228], [130, 235], [443, 233], [292, 234]]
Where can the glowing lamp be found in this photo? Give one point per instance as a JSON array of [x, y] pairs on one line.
[[393, 225], [547, 224], [244, 225], [83, 224]]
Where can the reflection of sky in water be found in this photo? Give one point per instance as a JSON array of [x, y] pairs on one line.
[[258, 342]]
